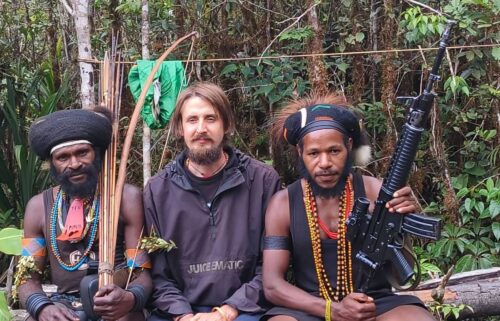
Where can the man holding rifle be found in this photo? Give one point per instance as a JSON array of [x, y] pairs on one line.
[[305, 224]]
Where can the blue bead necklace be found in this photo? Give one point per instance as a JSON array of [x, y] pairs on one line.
[[56, 210]]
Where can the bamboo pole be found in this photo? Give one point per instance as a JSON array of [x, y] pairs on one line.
[[110, 98]]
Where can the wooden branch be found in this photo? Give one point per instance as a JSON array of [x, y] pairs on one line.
[[283, 31], [439, 13], [120, 182], [67, 7]]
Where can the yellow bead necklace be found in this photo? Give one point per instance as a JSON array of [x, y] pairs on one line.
[[344, 250]]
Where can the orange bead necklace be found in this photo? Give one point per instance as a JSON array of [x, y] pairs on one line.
[[344, 284]]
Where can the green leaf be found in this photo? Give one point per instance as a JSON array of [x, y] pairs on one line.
[[466, 263], [264, 90], [462, 192], [469, 55], [429, 267], [469, 164], [446, 310], [422, 28], [229, 69], [360, 36], [4, 308], [10, 241], [460, 245], [476, 171], [343, 66], [468, 204], [496, 230], [494, 208], [479, 207], [495, 52]]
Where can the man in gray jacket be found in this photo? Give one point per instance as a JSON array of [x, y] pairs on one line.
[[211, 202]]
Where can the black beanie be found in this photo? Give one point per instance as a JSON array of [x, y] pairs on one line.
[[326, 116]]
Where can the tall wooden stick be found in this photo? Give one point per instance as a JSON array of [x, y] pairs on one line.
[[135, 118], [110, 98]]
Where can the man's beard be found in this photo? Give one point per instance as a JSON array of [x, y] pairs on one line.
[[205, 156], [337, 190], [85, 189]]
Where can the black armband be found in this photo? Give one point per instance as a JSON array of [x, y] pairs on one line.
[[36, 302], [276, 243], [139, 296]]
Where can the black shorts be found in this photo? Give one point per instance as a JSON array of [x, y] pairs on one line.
[[382, 304]]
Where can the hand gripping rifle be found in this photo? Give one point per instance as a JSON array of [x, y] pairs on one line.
[[380, 234]]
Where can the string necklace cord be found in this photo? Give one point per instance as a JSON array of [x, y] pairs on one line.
[[344, 277], [93, 217], [189, 165], [335, 54]]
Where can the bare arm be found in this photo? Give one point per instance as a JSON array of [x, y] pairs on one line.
[[133, 214], [34, 221], [113, 302], [276, 262]]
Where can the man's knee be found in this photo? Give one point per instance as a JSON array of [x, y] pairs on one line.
[[282, 318], [248, 317], [133, 316], [407, 313], [155, 317]]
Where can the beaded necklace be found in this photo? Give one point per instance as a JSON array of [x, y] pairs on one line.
[[92, 217], [344, 284]]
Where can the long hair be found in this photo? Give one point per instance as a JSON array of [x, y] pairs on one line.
[[211, 93]]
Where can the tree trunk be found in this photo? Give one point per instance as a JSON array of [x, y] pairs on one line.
[[146, 131], [374, 27], [317, 67], [82, 27], [388, 34], [52, 41], [358, 70], [437, 147], [481, 295]]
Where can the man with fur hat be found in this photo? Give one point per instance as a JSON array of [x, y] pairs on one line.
[[306, 223], [61, 223]]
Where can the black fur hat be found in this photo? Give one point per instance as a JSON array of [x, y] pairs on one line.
[[69, 125]]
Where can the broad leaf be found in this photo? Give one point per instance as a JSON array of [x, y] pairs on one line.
[[495, 52], [496, 230], [466, 263], [10, 241], [4, 308], [229, 69], [494, 208]]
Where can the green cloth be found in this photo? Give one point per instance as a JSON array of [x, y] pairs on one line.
[[160, 100]]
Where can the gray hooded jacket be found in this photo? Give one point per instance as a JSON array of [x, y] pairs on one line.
[[217, 260]]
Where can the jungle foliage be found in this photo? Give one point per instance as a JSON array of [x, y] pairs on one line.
[[456, 175]]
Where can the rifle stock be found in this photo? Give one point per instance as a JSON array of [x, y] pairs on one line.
[[381, 233]]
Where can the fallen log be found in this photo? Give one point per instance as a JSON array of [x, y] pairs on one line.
[[462, 278], [481, 295]]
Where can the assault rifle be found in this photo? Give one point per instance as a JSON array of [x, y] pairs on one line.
[[380, 234]]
